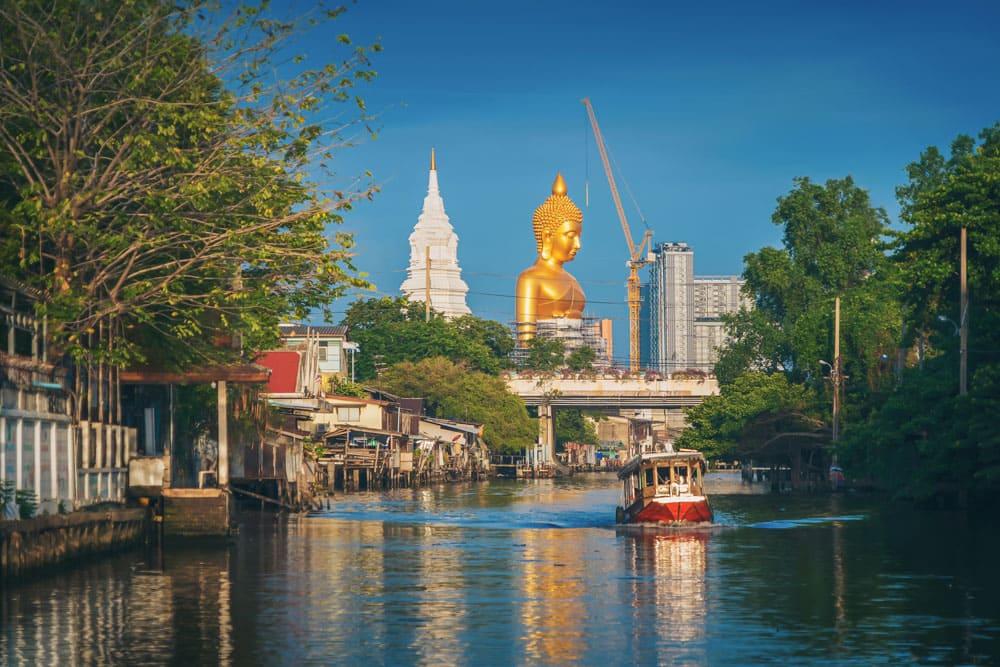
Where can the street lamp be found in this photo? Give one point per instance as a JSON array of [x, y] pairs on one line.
[[942, 318]]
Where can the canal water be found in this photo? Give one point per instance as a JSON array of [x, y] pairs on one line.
[[534, 572]]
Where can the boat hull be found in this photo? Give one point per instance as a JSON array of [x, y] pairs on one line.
[[674, 510]]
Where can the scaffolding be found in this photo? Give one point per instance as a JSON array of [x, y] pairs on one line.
[[574, 334]]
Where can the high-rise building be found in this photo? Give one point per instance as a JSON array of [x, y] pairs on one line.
[[433, 237], [685, 312]]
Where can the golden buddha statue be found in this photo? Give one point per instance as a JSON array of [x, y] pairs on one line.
[[545, 290]]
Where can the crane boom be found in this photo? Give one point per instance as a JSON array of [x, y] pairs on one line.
[[636, 256], [599, 138]]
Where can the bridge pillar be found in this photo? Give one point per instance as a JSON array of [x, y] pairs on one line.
[[547, 432]]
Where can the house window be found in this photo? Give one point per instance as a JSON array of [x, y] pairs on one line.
[[22, 342], [349, 414], [322, 350]]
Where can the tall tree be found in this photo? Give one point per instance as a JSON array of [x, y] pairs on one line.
[[581, 359], [390, 330], [545, 354], [834, 244], [754, 415], [572, 425], [925, 440], [942, 196], [157, 176], [452, 391]]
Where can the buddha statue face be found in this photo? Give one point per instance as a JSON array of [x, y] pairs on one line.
[[558, 225], [562, 244]]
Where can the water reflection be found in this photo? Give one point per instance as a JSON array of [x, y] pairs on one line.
[[552, 607], [516, 573], [105, 613], [668, 590]]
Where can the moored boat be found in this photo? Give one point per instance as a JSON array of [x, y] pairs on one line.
[[664, 487]]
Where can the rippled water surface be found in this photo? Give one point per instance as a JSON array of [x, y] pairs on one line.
[[534, 572]]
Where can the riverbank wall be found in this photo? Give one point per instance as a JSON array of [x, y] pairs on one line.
[[32, 544]]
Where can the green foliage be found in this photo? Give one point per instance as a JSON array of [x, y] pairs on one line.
[[756, 343], [834, 244], [924, 440], [545, 354], [392, 330], [27, 502], [341, 386], [572, 425], [941, 197], [451, 391], [313, 449], [913, 433], [581, 359], [747, 415], [8, 495], [158, 177]]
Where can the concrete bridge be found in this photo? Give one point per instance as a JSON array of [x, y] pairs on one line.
[[549, 391]]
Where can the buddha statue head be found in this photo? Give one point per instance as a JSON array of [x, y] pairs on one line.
[[558, 225]]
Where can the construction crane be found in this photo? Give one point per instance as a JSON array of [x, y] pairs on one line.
[[636, 255]]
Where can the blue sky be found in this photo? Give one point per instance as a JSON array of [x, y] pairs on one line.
[[710, 110]]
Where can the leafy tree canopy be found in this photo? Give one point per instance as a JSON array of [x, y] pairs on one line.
[[454, 392], [545, 354], [834, 244], [343, 387], [581, 359], [156, 177], [391, 330], [942, 196], [572, 425], [924, 440], [752, 412]]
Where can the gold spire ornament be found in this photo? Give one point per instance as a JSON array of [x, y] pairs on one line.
[[545, 290], [433, 163], [559, 185]]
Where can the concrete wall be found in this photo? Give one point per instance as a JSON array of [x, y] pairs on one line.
[[195, 513], [48, 540]]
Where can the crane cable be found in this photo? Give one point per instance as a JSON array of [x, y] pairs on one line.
[[621, 176], [628, 189]]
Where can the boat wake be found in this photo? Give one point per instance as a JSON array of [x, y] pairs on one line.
[[785, 524]]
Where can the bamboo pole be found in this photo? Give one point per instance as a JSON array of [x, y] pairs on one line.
[[963, 368]]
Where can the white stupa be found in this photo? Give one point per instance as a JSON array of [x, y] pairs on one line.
[[434, 231]]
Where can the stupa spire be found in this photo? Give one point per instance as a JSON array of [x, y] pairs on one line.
[[434, 231]]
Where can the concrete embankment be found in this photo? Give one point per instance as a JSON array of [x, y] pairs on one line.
[[48, 540]]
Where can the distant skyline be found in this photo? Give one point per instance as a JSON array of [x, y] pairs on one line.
[[709, 112]]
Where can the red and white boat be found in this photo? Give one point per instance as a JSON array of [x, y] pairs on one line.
[[664, 487]]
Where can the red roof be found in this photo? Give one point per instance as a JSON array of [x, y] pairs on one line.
[[284, 365]]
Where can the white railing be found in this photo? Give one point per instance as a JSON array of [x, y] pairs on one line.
[[103, 452]]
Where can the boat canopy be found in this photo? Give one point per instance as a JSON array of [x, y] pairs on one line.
[[636, 462]]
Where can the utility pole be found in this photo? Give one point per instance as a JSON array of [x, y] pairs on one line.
[[835, 371], [963, 369], [427, 283]]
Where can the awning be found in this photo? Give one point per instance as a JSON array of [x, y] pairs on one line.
[[240, 374]]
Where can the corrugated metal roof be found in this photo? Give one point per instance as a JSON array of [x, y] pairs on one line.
[[318, 330], [284, 367]]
